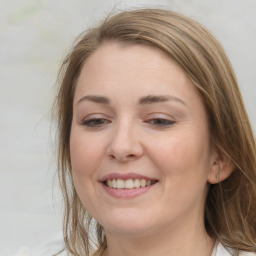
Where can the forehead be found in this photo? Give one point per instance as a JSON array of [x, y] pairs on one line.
[[128, 65], [111, 54], [125, 74]]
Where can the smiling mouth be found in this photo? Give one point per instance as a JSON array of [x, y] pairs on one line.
[[129, 183]]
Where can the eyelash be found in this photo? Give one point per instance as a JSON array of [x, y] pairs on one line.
[[160, 122], [99, 122], [95, 122]]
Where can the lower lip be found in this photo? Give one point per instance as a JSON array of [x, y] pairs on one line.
[[127, 193]]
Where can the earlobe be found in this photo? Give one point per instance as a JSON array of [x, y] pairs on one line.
[[220, 170]]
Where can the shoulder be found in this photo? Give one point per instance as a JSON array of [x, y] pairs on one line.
[[63, 253], [220, 250], [247, 254]]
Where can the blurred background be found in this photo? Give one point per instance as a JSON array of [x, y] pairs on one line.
[[34, 37]]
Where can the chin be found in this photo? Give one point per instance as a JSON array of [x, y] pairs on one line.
[[127, 222]]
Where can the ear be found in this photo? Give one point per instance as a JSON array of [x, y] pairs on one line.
[[220, 169]]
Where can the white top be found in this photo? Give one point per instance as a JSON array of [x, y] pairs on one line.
[[220, 250]]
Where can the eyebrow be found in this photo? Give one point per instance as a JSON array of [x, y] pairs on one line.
[[160, 98], [95, 98], [143, 100]]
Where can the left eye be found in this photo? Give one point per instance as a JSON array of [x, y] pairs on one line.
[[95, 122], [160, 122]]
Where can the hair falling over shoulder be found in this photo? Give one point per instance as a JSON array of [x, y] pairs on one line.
[[230, 207]]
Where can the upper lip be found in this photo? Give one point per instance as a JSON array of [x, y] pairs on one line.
[[124, 176]]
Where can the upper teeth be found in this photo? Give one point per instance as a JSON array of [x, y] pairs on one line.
[[128, 184]]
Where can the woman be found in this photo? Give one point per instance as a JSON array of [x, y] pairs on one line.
[[154, 142]]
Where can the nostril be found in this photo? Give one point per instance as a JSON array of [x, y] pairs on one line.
[[130, 156], [123, 157]]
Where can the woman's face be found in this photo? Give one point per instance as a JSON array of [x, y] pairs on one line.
[[139, 144]]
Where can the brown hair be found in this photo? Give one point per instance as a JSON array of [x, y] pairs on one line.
[[230, 211]]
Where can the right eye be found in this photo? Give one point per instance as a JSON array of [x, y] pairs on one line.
[[95, 122]]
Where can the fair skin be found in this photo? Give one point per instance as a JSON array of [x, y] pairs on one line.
[[137, 116]]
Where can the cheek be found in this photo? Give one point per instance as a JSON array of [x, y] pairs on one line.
[[184, 155], [84, 152], [85, 157]]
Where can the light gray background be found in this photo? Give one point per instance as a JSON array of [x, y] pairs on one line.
[[34, 36]]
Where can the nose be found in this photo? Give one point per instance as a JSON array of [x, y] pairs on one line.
[[125, 144]]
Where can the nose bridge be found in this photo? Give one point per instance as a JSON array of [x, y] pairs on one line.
[[124, 142]]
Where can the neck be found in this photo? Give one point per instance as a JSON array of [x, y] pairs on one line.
[[184, 242]]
